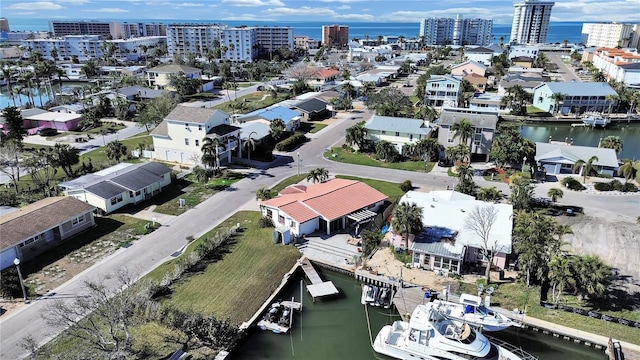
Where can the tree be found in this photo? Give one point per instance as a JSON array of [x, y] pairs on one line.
[[14, 123], [466, 185], [210, 153], [65, 156], [480, 221], [560, 276], [598, 76], [318, 175], [250, 144], [612, 142], [11, 160], [459, 152], [463, 130], [521, 191], [555, 194], [263, 193], [585, 166], [390, 101], [202, 175], [277, 129], [627, 169], [591, 275], [516, 99], [385, 151], [356, 135], [428, 149], [489, 194], [90, 68], [115, 151], [509, 147], [557, 98], [39, 165], [302, 72], [406, 219]]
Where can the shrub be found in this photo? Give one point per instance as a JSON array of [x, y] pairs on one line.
[[629, 187], [616, 185], [601, 186], [572, 184], [291, 142], [265, 222], [406, 186]]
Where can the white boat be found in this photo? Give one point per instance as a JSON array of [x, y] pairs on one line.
[[385, 297], [595, 119], [369, 294], [472, 311], [430, 335]]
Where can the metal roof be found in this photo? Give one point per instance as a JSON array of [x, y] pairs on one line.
[[261, 130], [580, 88], [272, 113], [570, 154], [397, 124], [222, 130]]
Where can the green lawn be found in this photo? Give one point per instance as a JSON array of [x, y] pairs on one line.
[[340, 155], [392, 190], [192, 192], [311, 127], [251, 102], [288, 181], [516, 295], [237, 285], [98, 156]]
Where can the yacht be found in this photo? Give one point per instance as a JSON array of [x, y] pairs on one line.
[[369, 294], [471, 310], [429, 335]]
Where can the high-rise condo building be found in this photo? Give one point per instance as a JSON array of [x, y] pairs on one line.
[[609, 34], [130, 30], [458, 31], [531, 21], [4, 25], [335, 35], [102, 28]]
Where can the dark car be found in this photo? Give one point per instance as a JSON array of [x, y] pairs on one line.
[[47, 132], [445, 162]]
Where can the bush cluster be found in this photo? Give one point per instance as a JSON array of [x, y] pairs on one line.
[[572, 184], [265, 222], [291, 142], [616, 185], [406, 186]]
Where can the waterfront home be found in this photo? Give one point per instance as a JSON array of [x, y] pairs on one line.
[[480, 55], [120, 185], [61, 121], [487, 102], [396, 130], [622, 65], [42, 225], [327, 207], [444, 243], [527, 81], [178, 138], [484, 125], [468, 67], [579, 97], [137, 93], [159, 77], [560, 158], [291, 118], [442, 90]]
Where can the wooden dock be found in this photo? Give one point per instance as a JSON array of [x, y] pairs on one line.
[[407, 299], [318, 288]]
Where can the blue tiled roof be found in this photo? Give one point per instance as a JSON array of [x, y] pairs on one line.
[[581, 88], [278, 112]]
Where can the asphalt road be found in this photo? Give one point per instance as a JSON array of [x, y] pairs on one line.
[[563, 69], [157, 247]]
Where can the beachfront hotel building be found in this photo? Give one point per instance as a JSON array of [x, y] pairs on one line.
[[610, 35], [4, 25], [335, 35], [530, 21], [242, 43], [106, 29], [458, 31]]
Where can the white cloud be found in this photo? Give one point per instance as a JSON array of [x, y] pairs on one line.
[[343, 7], [305, 10], [344, 1], [356, 17], [74, 2], [40, 5], [188, 4], [25, 13], [252, 3], [107, 10]]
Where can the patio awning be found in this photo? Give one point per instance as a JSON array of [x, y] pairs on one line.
[[362, 215]]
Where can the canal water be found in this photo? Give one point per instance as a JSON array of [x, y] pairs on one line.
[[587, 136], [337, 328]]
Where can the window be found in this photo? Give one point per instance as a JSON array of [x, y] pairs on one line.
[[77, 220], [199, 128], [197, 142], [397, 133], [186, 141], [186, 126], [137, 192], [383, 132], [410, 137], [269, 213], [281, 219], [478, 130], [450, 140]]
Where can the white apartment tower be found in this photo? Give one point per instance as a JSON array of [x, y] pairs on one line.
[[531, 21], [458, 31], [609, 35]]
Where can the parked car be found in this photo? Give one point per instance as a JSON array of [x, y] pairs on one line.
[[445, 162], [47, 132]]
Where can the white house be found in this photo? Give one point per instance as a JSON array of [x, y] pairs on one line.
[[560, 158], [159, 77], [115, 187], [396, 130], [445, 243], [179, 136]]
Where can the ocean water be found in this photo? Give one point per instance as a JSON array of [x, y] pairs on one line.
[[558, 31]]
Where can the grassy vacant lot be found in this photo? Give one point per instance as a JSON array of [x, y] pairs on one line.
[[517, 295], [237, 285], [193, 192], [340, 155], [311, 127], [251, 102], [98, 156], [392, 190]]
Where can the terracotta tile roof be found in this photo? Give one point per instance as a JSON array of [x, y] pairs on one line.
[[39, 217], [327, 73], [299, 212], [294, 189], [331, 199]]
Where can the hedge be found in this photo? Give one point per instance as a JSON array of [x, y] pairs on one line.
[[616, 185], [572, 184], [291, 142]]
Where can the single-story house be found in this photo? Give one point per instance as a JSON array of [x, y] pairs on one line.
[[579, 97], [113, 188], [312, 108], [26, 123], [479, 54], [445, 243], [291, 118], [396, 130], [56, 120], [75, 108], [484, 123], [560, 158], [527, 81], [478, 81], [137, 93], [327, 207], [468, 67], [30, 230], [523, 61], [486, 102]]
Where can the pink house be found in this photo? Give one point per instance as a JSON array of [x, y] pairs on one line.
[[54, 120], [26, 123]]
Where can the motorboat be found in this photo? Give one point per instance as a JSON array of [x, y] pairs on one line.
[[273, 313], [285, 317], [472, 311], [429, 335], [595, 119], [385, 297], [369, 294]]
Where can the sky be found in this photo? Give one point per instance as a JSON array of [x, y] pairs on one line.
[[329, 11]]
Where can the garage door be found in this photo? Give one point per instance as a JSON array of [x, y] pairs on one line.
[[7, 257]]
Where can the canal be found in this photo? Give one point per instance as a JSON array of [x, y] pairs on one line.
[[587, 136], [337, 329]]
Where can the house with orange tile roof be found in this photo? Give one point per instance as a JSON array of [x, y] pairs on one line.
[[622, 65], [323, 77], [329, 206]]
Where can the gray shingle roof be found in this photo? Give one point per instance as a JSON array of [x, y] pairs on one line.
[[162, 129], [106, 189], [312, 105], [393, 124], [191, 114], [572, 153], [141, 176], [222, 129], [477, 120]]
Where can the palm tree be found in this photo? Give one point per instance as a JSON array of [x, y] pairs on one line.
[[115, 150], [591, 275], [588, 166], [406, 220], [612, 142], [263, 193], [356, 135], [627, 169], [463, 130], [560, 275], [318, 175], [210, 154], [611, 98], [201, 174], [464, 173], [489, 194], [250, 144], [277, 128], [555, 194], [557, 98]]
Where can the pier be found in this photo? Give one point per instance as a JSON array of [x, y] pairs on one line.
[[318, 288]]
